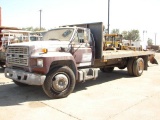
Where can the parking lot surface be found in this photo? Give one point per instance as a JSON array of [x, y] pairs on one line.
[[113, 96]]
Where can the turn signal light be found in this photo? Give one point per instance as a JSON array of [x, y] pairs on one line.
[[44, 50]]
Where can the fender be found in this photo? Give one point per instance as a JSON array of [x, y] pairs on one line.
[[52, 59]]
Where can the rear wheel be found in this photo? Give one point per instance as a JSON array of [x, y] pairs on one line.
[[130, 66], [59, 83], [138, 67]]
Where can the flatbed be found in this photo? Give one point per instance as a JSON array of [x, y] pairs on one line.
[[115, 54]]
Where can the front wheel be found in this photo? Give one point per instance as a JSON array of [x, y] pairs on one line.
[[59, 83]]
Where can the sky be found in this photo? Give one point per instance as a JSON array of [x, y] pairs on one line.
[[124, 14]]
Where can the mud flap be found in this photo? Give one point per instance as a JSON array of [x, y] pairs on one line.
[[152, 59]]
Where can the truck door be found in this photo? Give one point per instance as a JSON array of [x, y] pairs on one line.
[[82, 49]]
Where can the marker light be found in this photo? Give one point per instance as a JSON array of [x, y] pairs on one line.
[[44, 50]]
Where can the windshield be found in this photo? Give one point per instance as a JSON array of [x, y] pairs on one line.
[[62, 34]]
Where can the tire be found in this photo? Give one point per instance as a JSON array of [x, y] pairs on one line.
[[130, 66], [20, 84], [59, 83], [107, 69], [138, 67]]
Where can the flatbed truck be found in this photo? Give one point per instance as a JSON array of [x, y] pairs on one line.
[[69, 54]]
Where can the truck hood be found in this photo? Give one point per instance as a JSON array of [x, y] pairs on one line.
[[50, 45]]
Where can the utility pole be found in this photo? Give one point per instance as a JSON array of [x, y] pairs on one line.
[[40, 19], [108, 14]]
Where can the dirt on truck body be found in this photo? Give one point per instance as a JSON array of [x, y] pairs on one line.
[[68, 55]]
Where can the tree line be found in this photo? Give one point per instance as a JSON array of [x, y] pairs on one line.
[[33, 29]]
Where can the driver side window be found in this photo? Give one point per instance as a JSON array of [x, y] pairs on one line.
[[79, 36]]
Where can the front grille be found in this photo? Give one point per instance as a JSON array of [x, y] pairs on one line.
[[17, 55]]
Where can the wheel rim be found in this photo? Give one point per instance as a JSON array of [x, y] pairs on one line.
[[140, 66], [60, 82]]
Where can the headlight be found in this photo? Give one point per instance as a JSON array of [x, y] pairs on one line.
[[40, 62]]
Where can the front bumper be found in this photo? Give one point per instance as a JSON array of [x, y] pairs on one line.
[[24, 77]]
